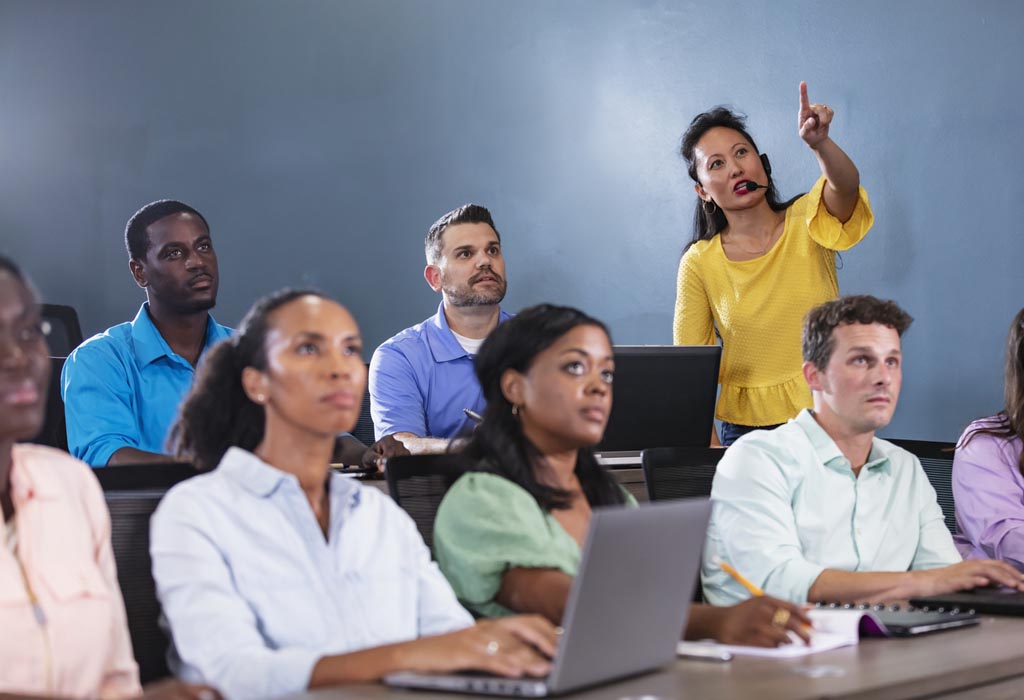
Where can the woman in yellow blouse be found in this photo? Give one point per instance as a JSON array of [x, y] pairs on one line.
[[756, 265]]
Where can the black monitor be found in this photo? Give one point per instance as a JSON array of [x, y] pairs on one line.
[[664, 397]]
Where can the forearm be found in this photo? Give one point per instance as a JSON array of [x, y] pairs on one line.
[[422, 445], [704, 621], [837, 167], [834, 585], [363, 666], [131, 455], [540, 591]]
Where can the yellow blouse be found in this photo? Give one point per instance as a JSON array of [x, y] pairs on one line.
[[758, 307]]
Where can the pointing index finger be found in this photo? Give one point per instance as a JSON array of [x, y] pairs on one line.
[[805, 104]]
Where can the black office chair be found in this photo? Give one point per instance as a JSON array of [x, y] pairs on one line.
[[363, 431], [65, 331], [419, 482], [680, 472], [132, 494], [937, 460], [54, 432]]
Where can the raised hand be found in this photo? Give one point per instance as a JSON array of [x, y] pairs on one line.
[[813, 120]]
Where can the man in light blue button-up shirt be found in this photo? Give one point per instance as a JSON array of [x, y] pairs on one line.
[[121, 388], [822, 510]]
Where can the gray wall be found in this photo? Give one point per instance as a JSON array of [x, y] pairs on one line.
[[322, 138]]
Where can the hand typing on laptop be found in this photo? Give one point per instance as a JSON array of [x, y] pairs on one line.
[[513, 647]]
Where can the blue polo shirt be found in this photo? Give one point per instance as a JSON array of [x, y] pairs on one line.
[[122, 388], [422, 379]]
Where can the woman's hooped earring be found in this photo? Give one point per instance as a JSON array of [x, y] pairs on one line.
[[710, 211]]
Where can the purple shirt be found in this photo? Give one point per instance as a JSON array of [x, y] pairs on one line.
[[422, 379], [989, 492]]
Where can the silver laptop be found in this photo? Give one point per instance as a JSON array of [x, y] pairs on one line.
[[626, 609]]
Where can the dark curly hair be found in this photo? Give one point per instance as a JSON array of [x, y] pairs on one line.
[[498, 444], [822, 320], [217, 414]]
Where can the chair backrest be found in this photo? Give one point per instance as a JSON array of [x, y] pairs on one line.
[[54, 432], [418, 483], [680, 472], [937, 460], [65, 331], [132, 494], [363, 431]]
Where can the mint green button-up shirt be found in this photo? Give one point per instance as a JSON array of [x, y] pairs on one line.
[[487, 525], [787, 506]]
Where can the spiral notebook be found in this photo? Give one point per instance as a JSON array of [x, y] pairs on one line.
[[840, 627]]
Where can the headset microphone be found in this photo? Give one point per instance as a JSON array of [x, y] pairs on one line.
[[750, 186]]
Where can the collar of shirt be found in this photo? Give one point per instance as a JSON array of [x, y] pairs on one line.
[[150, 346], [829, 453], [263, 480], [441, 339]]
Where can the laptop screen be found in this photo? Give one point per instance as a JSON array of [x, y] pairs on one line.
[[664, 397]]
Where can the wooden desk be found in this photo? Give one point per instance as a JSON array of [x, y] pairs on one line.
[[985, 662]]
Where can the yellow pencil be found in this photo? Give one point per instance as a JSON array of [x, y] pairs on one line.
[[740, 578]]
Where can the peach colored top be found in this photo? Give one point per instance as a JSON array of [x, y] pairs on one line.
[[64, 631]]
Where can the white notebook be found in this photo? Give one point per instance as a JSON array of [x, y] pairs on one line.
[[832, 629]]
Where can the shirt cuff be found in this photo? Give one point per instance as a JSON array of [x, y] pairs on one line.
[[793, 580], [287, 671]]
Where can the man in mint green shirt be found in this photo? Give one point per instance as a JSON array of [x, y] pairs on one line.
[[820, 509]]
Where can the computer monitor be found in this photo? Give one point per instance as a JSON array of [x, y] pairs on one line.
[[664, 397]]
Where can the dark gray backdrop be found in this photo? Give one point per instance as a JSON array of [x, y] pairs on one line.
[[322, 138]]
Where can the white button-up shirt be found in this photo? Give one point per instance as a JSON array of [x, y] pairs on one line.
[[787, 506], [254, 593]]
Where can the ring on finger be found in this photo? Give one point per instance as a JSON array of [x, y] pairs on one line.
[[780, 617], [492, 647]]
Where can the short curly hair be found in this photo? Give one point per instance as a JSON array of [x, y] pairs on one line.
[[136, 240], [821, 321]]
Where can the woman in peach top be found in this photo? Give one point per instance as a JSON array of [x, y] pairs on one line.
[[63, 630]]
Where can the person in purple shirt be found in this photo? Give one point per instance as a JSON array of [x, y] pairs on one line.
[[422, 384], [988, 470]]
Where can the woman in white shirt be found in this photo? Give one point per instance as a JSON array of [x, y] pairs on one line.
[[276, 574]]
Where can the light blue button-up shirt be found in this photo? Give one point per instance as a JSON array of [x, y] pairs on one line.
[[255, 595], [421, 380], [122, 388], [787, 506]]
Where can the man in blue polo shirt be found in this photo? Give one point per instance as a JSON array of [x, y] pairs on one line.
[[421, 381], [122, 388]]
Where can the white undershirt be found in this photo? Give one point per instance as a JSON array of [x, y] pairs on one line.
[[470, 345]]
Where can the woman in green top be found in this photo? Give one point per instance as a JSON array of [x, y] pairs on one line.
[[508, 536]]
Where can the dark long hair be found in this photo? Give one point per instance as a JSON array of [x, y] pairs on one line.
[[1009, 423], [498, 444], [706, 225], [217, 414]]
